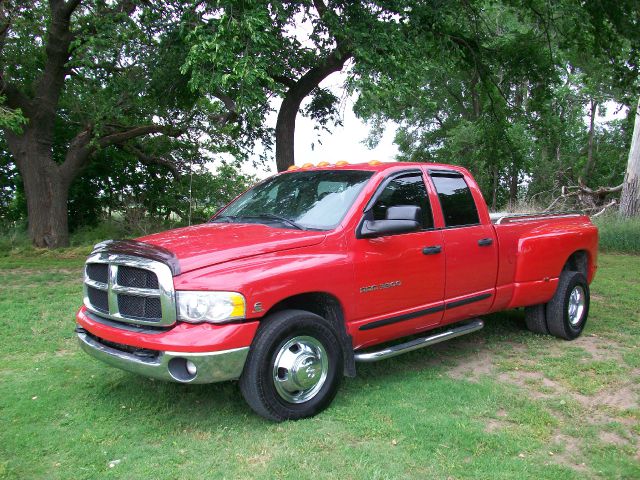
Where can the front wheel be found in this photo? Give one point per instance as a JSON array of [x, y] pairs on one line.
[[568, 310], [294, 366]]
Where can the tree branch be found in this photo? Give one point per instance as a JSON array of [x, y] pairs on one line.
[[121, 137], [84, 145], [284, 80], [152, 159], [70, 7], [15, 98]]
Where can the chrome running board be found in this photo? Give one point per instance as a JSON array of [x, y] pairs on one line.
[[417, 343]]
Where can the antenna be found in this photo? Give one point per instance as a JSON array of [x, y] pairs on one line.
[[190, 188]]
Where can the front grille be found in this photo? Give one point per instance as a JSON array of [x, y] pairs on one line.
[[139, 307], [130, 289], [99, 299], [98, 272], [136, 277]]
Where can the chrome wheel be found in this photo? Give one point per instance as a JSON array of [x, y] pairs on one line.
[[577, 302], [300, 369]]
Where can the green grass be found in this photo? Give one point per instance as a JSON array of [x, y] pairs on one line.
[[501, 403], [617, 235]]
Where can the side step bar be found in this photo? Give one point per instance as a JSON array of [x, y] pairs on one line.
[[417, 343]]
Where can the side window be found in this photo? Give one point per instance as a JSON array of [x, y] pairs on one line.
[[456, 200], [405, 190]]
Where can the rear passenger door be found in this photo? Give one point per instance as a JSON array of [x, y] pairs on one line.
[[470, 249]]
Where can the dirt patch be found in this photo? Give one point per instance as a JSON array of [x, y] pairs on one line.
[[494, 425], [599, 348], [613, 438], [571, 453], [473, 366], [623, 399]]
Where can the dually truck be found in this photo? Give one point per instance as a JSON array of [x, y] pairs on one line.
[[315, 269]]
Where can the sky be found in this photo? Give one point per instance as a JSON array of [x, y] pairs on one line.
[[344, 142]]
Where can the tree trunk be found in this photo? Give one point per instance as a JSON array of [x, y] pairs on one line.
[[494, 194], [513, 185], [589, 165], [286, 132], [630, 199], [297, 92], [45, 189]]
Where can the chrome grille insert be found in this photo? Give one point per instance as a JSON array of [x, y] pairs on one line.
[[129, 289]]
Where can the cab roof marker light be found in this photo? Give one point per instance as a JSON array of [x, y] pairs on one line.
[[307, 165], [323, 164], [342, 163], [291, 168], [375, 162]]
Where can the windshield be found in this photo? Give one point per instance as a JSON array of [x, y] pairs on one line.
[[315, 200]]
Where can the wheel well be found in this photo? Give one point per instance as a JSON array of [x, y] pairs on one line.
[[578, 262], [328, 307]]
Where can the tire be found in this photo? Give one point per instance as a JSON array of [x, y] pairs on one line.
[[294, 366], [568, 310], [536, 319]]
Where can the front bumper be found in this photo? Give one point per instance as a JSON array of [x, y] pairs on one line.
[[166, 365]]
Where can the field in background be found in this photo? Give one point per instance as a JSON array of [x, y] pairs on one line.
[[500, 403]]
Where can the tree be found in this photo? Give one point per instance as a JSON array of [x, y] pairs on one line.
[[509, 101], [293, 46], [91, 74], [630, 199]]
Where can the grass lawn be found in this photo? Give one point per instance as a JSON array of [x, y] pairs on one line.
[[499, 403]]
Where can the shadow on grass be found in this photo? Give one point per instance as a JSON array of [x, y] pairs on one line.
[[215, 404]]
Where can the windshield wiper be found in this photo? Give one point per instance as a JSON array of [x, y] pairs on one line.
[[272, 216], [279, 218], [224, 218]]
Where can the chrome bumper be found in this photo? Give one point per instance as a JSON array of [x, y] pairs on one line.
[[171, 366]]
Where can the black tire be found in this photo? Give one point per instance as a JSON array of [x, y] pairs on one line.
[[559, 321], [536, 319], [258, 381]]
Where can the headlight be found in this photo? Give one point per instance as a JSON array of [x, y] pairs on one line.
[[214, 307]]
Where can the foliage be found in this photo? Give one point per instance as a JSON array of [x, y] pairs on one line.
[[507, 98], [91, 86], [618, 235]]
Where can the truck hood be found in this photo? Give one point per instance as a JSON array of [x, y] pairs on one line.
[[213, 243]]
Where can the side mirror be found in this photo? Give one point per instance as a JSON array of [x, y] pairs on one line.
[[399, 219]]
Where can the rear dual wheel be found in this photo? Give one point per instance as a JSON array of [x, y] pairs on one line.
[[565, 316], [294, 367]]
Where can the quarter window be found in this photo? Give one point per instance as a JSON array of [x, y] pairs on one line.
[[456, 200], [405, 190]]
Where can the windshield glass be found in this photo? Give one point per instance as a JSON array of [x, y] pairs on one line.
[[316, 200]]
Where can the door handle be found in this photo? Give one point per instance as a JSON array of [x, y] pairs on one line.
[[485, 242], [432, 250]]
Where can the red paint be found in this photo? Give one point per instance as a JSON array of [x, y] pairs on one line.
[[268, 265], [184, 337]]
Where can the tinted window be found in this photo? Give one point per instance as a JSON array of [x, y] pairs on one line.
[[405, 190], [457, 203]]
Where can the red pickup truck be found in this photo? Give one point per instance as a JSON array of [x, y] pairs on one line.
[[318, 268]]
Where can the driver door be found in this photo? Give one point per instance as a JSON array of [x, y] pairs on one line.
[[399, 277]]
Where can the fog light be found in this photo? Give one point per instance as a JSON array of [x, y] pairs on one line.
[[191, 368]]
